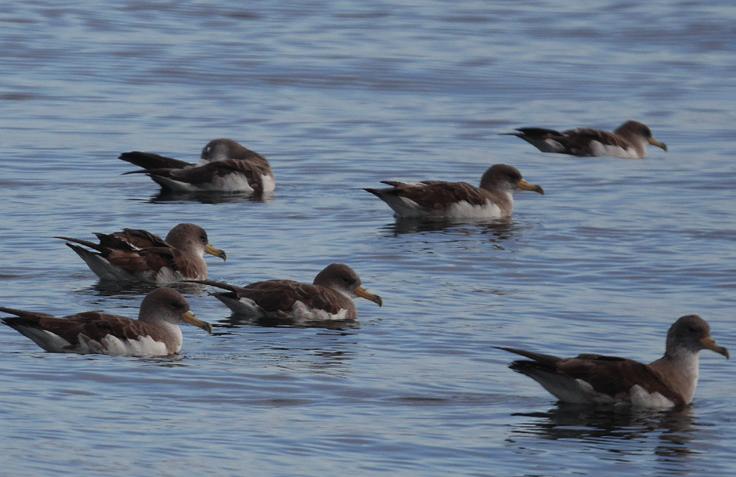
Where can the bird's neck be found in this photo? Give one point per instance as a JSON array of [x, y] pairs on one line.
[[637, 142], [196, 254], [679, 369], [174, 337]]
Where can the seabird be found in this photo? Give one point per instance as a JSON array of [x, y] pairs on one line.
[[667, 382], [439, 199], [328, 298], [225, 166], [628, 141], [138, 255], [156, 332]]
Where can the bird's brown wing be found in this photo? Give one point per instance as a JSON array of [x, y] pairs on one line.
[[149, 160], [207, 173], [436, 195], [578, 141], [92, 324], [609, 375], [130, 240], [150, 259], [615, 376], [141, 238], [281, 295]]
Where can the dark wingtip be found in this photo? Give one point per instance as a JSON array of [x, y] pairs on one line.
[[523, 366], [507, 349], [212, 283]]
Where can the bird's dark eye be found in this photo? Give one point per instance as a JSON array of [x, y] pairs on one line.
[[692, 329], [203, 238], [176, 305]]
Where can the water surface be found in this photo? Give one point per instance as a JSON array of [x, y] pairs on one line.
[[339, 96]]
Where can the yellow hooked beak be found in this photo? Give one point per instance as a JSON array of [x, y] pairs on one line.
[[524, 185], [215, 251], [191, 319], [659, 144], [710, 344], [363, 293]]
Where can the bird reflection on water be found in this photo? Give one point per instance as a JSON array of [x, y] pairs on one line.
[[498, 229], [673, 429], [236, 321], [104, 288], [206, 197]]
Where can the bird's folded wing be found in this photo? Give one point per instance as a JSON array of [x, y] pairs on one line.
[[149, 160]]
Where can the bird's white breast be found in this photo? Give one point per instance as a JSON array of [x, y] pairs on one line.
[[600, 149], [303, 313], [641, 398], [142, 346], [233, 182], [465, 210], [269, 183]]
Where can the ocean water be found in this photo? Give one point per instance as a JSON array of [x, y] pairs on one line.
[[338, 96]]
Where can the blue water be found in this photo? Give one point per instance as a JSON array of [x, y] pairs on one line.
[[339, 95]]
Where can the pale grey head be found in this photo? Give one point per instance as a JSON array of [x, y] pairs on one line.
[[169, 306], [193, 239], [691, 334], [639, 133], [505, 178], [342, 278], [221, 149]]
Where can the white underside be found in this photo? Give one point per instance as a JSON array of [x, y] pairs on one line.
[[407, 208], [302, 314], [269, 183], [144, 346], [106, 271], [641, 398], [109, 272], [600, 149], [550, 145], [578, 391], [234, 182], [299, 313]]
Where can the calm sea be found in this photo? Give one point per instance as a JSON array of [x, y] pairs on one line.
[[339, 95]]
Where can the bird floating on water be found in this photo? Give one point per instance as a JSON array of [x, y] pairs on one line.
[[667, 382], [328, 299], [156, 332], [628, 141], [137, 255], [225, 166], [493, 199]]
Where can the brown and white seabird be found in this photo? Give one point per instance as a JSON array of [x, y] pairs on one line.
[[225, 166], [156, 332], [138, 255], [594, 379], [328, 298], [439, 199], [628, 141]]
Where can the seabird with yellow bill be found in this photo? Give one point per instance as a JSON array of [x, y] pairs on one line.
[[667, 382], [156, 332]]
